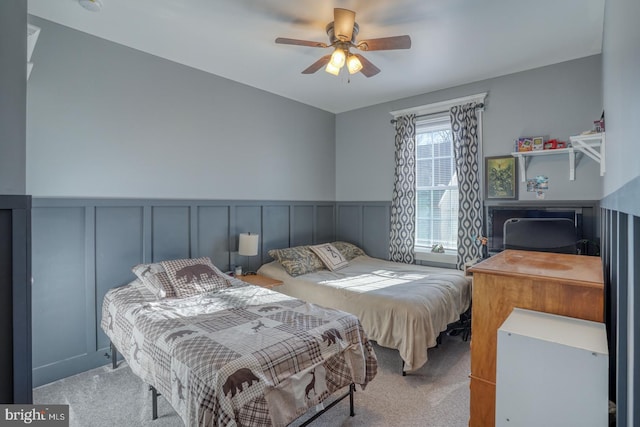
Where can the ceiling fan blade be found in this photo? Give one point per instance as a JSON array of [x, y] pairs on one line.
[[343, 20], [385, 43], [368, 69], [282, 40], [317, 65]]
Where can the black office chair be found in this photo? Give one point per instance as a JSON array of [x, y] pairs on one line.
[[461, 327]]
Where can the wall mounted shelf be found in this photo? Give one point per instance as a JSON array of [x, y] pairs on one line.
[[592, 145]]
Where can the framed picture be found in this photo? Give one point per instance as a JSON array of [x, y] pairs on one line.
[[501, 178]]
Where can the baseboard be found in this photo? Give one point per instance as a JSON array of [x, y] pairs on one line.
[[74, 365]]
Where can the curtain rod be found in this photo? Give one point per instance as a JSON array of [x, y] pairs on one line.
[[393, 121]]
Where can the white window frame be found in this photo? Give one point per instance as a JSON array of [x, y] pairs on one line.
[[423, 252]]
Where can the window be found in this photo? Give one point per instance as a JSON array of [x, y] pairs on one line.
[[436, 185]]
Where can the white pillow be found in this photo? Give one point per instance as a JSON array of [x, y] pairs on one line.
[[330, 256]]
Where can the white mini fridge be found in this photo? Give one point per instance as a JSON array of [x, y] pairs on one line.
[[551, 371]]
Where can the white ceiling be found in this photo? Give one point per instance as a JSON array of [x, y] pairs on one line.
[[454, 41]]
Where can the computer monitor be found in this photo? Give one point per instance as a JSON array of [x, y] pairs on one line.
[[556, 235]]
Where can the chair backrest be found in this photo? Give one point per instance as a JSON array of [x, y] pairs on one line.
[[556, 235]]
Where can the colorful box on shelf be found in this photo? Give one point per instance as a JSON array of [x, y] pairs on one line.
[[524, 144], [598, 125], [538, 143], [529, 144], [554, 144]]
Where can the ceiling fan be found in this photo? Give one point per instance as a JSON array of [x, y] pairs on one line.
[[342, 34]]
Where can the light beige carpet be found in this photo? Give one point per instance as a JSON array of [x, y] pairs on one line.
[[436, 395]]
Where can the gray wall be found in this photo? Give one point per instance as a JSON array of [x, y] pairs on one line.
[[109, 121], [13, 102], [365, 224], [621, 86], [15, 223], [555, 101], [84, 247], [621, 216]]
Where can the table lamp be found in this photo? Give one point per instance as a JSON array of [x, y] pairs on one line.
[[247, 246]]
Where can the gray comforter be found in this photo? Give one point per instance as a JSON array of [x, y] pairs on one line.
[[401, 306]]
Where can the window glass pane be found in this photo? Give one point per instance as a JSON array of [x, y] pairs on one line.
[[444, 144], [424, 172], [423, 231], [423, 204], [424, 150], [437, 185], [449, 216], [423, 220], [444, 172]]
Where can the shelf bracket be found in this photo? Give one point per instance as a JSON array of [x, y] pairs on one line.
[[522, 165], [572, 165], [587, 144]]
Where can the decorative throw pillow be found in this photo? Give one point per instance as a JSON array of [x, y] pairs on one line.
[[154, 278], [297, 260], [348, 250], [194, 276], [330, 256]]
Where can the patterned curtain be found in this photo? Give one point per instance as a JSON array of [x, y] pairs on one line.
[[403, 204], [464, 125]]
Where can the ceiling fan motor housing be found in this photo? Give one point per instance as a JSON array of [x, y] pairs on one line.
[[332, 37]]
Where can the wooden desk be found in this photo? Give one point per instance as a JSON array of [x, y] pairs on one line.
[[568, 285], [260, 280]]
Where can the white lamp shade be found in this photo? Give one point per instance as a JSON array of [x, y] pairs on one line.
[[331, 69], [248, 244], [353, 64], [337, 58]]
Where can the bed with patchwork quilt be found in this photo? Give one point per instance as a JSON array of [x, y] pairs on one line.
[[239, 354]]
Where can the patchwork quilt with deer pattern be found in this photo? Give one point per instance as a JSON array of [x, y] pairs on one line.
[[241, 355]]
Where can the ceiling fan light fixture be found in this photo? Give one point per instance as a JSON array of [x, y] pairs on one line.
[[353, 64], [342, 32], [338, 58], [332, 69]]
